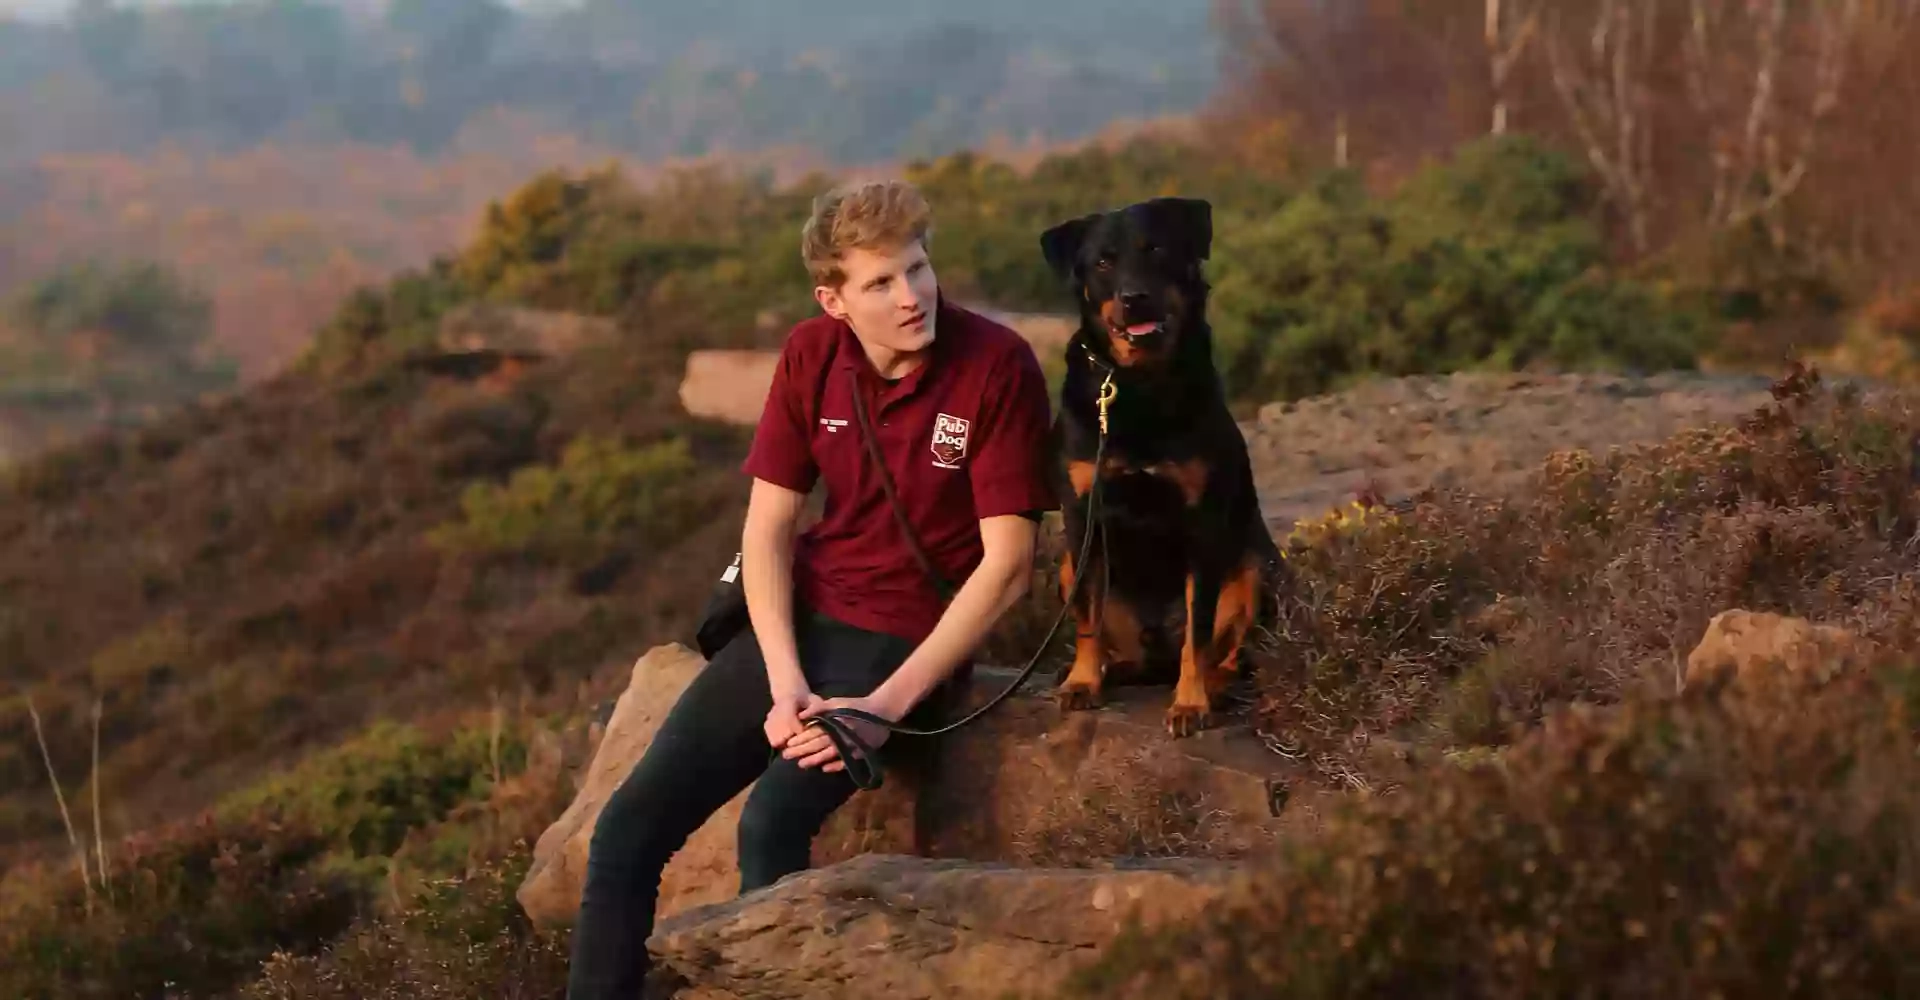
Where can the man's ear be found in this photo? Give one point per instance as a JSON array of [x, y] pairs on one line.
[[830, 302], [1061, 244], [1190, 218]]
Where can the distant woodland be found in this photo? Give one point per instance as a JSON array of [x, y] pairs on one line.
[[854, 80]]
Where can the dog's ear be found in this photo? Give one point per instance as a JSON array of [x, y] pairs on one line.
[[1191, 219], [1061, 244]]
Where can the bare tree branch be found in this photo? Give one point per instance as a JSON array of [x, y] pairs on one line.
[[1607, 101], [1752, 172]]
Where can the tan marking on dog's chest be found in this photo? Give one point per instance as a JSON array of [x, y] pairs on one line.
[[1190, 476]]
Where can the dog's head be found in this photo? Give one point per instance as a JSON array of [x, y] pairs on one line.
[[1137, 271]]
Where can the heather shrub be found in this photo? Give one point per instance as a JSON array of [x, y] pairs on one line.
[[451, 926], [466, 937], [1736, 840], [601, 496], [284, 866], [1460, 620], [191, 910]]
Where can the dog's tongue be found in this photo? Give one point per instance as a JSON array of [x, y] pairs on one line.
[[1139, 328]]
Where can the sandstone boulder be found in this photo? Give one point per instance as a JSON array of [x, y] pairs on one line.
[[729, 386], [1756, 645], [517, 330], [904, 928], [1024, 784]]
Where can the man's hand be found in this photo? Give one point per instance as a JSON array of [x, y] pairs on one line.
[[814, 748], [784, 720]]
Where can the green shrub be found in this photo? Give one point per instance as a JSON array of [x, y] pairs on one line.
[[379, 324], [366, 794], [118, 337], [1489, 260], [603, 495], [719, 251], [988, 216]]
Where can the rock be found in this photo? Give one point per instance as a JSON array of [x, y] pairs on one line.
[[1752, 645], [1029, 783], [1485, 430], [486, 326], [1021, 784], [703, 872], [900, 928], [729, 386]]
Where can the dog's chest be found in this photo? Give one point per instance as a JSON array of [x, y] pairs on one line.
[[1153, 484]]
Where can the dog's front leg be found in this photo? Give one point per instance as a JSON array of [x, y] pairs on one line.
[[1082, 688], [1192, 707]]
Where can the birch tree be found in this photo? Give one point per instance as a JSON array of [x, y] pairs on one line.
[[1510, 26], [1764, 77], [1599, 57]]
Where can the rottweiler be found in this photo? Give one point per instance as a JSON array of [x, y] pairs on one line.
[[1177, 524]]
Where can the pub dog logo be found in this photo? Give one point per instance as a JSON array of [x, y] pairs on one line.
[[949, 440]]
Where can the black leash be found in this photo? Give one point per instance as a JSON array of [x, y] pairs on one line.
[[862, 766]]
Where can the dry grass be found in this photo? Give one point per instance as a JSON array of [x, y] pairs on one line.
[[1144, 805]]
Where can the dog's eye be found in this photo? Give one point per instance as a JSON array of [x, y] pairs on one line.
[[1104, 264]]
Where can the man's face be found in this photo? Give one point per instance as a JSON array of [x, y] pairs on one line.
[[888, 297]]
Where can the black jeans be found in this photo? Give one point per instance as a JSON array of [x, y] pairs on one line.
[[709, 747]]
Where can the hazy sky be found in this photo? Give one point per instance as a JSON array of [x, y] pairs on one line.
[[50, 9]]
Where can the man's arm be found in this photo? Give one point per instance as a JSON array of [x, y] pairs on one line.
[[1009, 482], [766, 566], [1001, 578], [781, 464]]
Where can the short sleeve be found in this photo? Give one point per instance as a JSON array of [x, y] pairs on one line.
[[782, 450], [1009, 471]]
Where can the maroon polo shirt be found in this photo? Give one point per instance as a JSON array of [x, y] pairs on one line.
[[964, 436]]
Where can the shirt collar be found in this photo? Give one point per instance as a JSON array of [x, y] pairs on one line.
[[946, 329]]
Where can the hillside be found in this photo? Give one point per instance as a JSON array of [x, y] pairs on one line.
[[477, 496], [377, 530]]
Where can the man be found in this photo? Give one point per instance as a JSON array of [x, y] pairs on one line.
[[843, 615]]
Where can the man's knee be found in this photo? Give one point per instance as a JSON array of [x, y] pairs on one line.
[[772, 833], [637, 828], [780, 820]]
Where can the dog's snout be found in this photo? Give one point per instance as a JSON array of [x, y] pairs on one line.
[[1135, 300]]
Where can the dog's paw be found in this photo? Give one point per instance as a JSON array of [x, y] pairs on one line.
[[1077, 696], [1187, 720]]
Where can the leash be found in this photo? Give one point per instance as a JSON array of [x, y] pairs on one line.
[[861, 764]]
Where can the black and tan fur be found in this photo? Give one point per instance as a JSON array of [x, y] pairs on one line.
[[1178, 529]]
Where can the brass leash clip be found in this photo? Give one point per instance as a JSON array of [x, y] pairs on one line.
[[1107, 391]]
